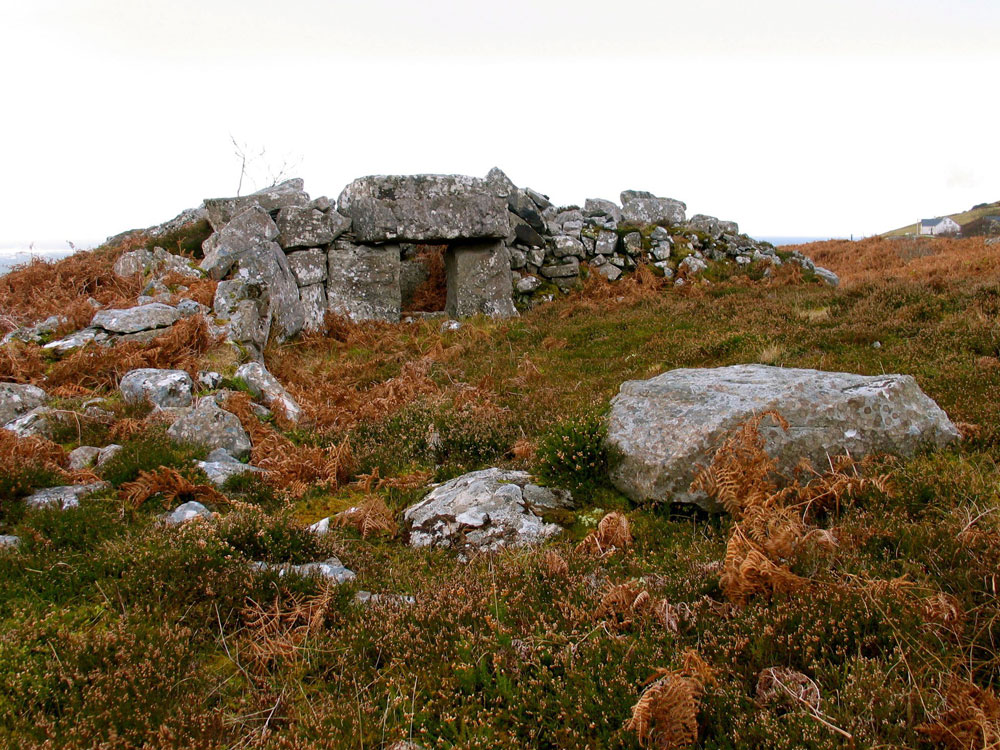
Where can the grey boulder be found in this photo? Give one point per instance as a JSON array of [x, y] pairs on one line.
[[662, 429], [157, 387], [331, 569], [418, 208], [484, 510], [187, 512], [211, 427], [303, 226], [221, 211], [134, 319], [363, 281], [64, 497], [17, 399]]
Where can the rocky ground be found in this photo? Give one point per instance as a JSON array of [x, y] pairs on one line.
[[623, 511]]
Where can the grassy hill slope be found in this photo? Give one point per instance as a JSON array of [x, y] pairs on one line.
[[961, 218], [117, 632]]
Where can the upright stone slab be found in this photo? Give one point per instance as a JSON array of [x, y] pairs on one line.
[[422, 208], [363, 281], [479, 280]]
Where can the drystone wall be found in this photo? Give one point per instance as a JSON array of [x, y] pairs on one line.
[[283, 259]]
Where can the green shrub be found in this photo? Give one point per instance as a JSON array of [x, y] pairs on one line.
[[574, 454], [147, 452], [258, 536]]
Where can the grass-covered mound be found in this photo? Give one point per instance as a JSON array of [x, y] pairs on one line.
[[117, 632]]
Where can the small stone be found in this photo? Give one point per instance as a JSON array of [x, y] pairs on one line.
[[632, 243], [220, 466], [563, 270], [17, 399], [38, 422], [528, 284], [331, 569], [187, 512], [83, 457], [209, 379], [564, 246], [209, 426], [64, 497], [308, 266], [9, 541], [265, 386], [107, 453]]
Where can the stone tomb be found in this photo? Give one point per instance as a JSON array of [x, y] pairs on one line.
[[467, 214]]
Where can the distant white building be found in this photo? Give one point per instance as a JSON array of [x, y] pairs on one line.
[[942, 225]]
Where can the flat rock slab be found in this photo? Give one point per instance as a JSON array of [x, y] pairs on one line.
[[64, 497], [484, 510], [220, 466], [134, 319], [331, 569], [660, 430], [419, 208]]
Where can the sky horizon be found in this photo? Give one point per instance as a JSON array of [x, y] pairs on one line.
[[793, 119]]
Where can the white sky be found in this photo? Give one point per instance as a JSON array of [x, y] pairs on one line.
[[793, 117]]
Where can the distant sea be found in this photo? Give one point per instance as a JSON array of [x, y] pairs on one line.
[[10, 256], [778, 241]]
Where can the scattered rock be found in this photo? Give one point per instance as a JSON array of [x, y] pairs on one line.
[[211, 427], [9, 541], [83, 457], [220, 466], [134, 319], [331, 569], [828, 276], [221, 211], [367, 599], [209, 379], [64, 497], [107, 453], [17, 399], [39, 422], [187, 512], [157, 387], [663, 428], [265, 386], [484, 510]]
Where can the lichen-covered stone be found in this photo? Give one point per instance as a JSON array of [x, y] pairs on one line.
[[479, 280], [265, 386], [363, 281], [64, 497], [221, 211], [640, 208], [17, 399], [484, 510], [135, 319], [304, 226], [420, 208], [308, 266], [211, 427], [663, 428], [157, 387]]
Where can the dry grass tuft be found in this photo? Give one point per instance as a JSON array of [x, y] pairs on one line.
[[613, 534], [786, 686]]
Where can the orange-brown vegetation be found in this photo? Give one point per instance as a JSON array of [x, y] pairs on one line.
[[613, 534], [291, 468], [431, 295], [39, 289], [666, 716], [927, 259], [171, 486]]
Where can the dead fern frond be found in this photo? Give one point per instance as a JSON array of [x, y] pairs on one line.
[[169, 484], [613, 534], [555, 565], [275, 632], [666, 715], [371, 517], [969, 720]]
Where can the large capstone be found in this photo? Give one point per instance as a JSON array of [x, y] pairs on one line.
[[419, 208], [363, 281], [479, 280], [484, 510], [662, 429]]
